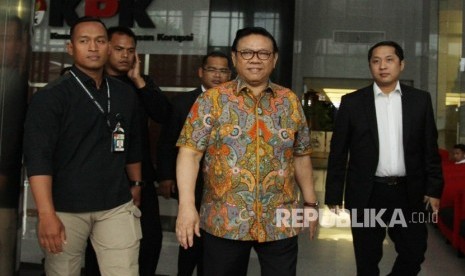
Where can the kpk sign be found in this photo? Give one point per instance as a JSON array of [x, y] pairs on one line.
[[158, 31], [128, 11]]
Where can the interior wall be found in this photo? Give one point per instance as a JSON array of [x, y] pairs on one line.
[[277, 16], [318, 54]]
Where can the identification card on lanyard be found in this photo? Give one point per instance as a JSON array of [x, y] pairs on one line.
[[117, 144], [117, 134]]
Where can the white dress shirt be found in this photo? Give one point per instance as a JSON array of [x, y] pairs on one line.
[[389, 118]]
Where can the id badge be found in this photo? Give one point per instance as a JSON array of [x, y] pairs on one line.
[[118, 137]]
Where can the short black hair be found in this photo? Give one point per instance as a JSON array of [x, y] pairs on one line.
[[250, 31], [460, 147], [121, 30], [399, 51], [83, 20], [216, 54]]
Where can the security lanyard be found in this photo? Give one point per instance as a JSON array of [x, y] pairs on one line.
[[99, 107]]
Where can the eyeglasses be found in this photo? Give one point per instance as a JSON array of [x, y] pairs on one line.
[[211, 70], [248, 54]]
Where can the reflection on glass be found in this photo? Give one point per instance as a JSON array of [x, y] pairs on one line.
[[13, 97]]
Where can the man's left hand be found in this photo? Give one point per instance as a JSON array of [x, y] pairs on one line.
[[136, 194], [434, 202], [313, 223], [134, 73], [313, 229]]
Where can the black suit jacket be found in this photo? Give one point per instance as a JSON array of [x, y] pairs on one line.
[[167, 150], [153, 104], [354, 154]]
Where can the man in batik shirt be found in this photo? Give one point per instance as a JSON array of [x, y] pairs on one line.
[[256, 143]]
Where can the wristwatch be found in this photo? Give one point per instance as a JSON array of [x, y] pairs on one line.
[[137, 183], [312, 205]]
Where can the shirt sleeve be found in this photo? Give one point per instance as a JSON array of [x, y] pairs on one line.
[[155, 101], [197, 128], [302, 144], [135, 140], [167, 151], [41, 130]]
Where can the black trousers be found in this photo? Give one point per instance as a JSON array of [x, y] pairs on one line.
[[189, 259], [224, 257], [150, 244], [409, 239]]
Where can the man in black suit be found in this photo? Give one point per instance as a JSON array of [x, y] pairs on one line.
[[215, 69], [384, 158]]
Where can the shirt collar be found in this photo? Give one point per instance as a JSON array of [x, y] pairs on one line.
[[203, 88], [123, 78], [85, 78], [242, 87], [378, 91]]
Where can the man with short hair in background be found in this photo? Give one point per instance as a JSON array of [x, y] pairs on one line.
[[384, 159]]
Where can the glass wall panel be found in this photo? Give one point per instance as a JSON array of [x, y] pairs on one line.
[[170, 52], [451, 76], [226, 17], [14, 49]]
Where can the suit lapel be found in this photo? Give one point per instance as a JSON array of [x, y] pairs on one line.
[[369, 103]]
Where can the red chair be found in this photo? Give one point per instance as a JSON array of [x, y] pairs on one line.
[[453, 172], [444, 154], [460, 221], [448, 217]]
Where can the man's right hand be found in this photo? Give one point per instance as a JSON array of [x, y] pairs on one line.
[[166, 188], [51, 234], [187, 224]]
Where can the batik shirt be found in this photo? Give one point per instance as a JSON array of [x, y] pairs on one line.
[[249, 145]]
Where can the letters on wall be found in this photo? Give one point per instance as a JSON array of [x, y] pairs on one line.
[[162, 26]]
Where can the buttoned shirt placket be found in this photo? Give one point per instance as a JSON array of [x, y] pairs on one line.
[[257, 203]]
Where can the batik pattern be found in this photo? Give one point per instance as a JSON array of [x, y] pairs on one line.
[[249, 146]]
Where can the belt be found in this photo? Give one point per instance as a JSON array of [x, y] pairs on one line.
[[390, 180]]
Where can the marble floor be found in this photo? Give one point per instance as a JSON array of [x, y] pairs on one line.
[[330, 253]]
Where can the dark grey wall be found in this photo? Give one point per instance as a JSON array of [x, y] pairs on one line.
[[411, 23], [277, 16]]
